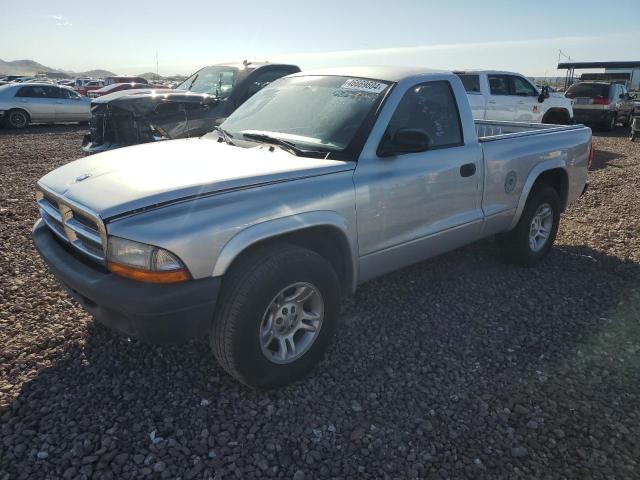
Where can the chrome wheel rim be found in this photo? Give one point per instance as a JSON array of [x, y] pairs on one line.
[[291, 323], [18, 119], [540, 228]]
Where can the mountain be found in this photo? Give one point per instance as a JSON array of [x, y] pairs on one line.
[[98, 73], [24, 67], [30, 67], [148, 76]]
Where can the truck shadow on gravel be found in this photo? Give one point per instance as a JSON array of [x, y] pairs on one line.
[[506, 364], [603, 158]]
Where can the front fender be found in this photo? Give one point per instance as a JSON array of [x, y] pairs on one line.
[[280, 226], [531, 179]]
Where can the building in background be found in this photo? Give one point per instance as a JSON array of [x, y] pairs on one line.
[[627, 73]]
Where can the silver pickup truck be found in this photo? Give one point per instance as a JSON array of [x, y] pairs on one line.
[[251, 234]]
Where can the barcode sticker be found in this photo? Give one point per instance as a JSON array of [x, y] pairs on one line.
[[362, 85]]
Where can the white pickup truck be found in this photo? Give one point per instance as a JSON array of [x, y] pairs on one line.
[[508, 96], [323, 180]]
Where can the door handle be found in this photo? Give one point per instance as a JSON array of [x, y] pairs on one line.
[[521, 102], [468, 169], [491, 101], [59, 101]]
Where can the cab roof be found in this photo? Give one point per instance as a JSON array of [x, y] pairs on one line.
[[388, 73]]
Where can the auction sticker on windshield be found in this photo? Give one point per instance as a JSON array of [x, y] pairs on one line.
[[362, 85]]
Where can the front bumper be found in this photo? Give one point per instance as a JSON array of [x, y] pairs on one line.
[[155, 313]]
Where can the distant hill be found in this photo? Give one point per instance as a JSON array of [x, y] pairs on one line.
[[148, 76], [30, 67], [24, 67], [98, 73]]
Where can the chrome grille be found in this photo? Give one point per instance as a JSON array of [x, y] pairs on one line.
[[73, 224]]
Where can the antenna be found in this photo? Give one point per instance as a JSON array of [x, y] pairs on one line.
[[157, 75]]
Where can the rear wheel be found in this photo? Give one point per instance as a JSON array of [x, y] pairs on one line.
[[533, 236], [17, 118], [276, 315]]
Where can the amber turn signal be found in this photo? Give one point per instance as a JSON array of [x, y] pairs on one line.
[[141, 275]]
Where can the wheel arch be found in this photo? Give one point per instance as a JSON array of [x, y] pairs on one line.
[[552, 173], [325, 233], [559, 111]]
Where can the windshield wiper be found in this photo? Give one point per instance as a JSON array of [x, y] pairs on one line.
[[193, 81], [285, 145], [224, 135]]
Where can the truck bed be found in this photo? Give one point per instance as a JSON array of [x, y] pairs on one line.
[[488, 130]]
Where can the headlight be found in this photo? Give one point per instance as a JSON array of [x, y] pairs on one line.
[[145, 263]]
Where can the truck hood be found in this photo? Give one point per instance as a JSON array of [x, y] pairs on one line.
[[142, 176], [145, 100]]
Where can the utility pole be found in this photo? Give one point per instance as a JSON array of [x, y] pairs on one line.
[[157, 75]]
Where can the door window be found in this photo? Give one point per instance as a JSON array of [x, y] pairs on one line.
[[264, 79], [522, 88], [471, 82], [35, 91], [499, 84], [69, 94], [430, 107]]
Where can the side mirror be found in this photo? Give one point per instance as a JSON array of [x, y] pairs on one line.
[[544, 93], [405, 140]]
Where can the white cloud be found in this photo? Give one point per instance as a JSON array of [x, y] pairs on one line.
[[61, 21], [532, 57]]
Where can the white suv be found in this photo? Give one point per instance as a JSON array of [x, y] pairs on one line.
[[511, 97]]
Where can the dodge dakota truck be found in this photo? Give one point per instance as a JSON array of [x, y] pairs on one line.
[[252, 234]]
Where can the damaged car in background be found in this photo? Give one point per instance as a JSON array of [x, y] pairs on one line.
[[193, 108]]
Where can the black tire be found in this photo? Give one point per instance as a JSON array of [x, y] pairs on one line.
[[557, 118], [248, 289], [514, 245], [610, 124], [17, 118]]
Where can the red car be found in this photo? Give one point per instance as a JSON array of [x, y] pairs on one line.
[[83, 87], [116, 87]]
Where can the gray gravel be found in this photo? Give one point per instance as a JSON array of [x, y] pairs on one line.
[[460, 367]]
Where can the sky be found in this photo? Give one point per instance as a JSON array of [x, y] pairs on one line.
[[124, 36]]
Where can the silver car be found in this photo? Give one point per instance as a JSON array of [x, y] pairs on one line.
[[25, 103]]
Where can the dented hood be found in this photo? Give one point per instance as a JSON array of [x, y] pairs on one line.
[[145, 100], [133, 178]]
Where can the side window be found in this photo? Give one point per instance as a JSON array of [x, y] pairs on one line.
[[522, 88], [430, 107], [54, 92], [499, 84], [34, 91], [263, 80], [69, 94], [25, 92], [471, 83]]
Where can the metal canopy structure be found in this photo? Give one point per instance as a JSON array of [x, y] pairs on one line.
[[572, 66]]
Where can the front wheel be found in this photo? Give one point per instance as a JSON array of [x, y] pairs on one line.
[[533, 236], [17, 118], [276, 315]]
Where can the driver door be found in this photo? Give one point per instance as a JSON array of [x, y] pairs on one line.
[[416, 205]]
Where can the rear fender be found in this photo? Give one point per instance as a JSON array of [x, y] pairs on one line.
[[531, 180]]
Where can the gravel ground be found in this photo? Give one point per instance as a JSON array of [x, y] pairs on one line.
[[460, 367]]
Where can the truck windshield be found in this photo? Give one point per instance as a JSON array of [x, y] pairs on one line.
[[216, 81], [320, 112]]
